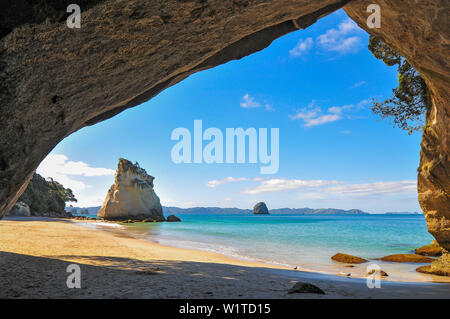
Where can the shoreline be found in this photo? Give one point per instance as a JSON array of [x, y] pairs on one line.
[[120, 256], [399, 272]]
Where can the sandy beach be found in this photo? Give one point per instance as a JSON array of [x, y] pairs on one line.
[[35, 253]]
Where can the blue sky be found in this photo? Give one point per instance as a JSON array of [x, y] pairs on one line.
[[315, 85]]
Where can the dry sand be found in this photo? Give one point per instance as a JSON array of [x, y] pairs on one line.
[[34, 255]]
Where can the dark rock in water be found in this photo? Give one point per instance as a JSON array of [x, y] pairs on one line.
[[381, 272], [433, 250], [348, 259], [406, 258], [260, 209], [173, 218], [83, 218], [305, 288]]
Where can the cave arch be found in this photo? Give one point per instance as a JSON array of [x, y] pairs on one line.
[[55, 80]]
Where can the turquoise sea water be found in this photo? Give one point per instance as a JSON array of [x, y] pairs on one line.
[[305, 241]]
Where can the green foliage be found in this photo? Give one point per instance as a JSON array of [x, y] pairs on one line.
[[45, 196], [65, 194], [410, 100]]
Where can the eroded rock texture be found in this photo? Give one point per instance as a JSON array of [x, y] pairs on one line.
[[55, 80], [420, 31], [131, 196]]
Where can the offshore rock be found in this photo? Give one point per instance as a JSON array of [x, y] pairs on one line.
[[260, 209], [173, 218]]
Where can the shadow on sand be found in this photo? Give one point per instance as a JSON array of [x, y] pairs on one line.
[[24, 276]]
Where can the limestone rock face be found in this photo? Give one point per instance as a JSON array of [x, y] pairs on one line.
[[420, 31], [131, 196], [260, 209], [20, 209]]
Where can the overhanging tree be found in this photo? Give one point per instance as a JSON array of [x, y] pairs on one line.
[[410, 100]]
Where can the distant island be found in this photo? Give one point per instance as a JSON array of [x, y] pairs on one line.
[[170, 210], [276, 211]]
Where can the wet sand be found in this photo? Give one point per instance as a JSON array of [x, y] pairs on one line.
[[35, 253]]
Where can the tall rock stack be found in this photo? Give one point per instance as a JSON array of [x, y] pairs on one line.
[[132, 195]]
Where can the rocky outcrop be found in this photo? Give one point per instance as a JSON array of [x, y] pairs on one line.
[[420, 30], [55, 80], [380, 272], [348, 259], [406, 258], [131, 196], [439, 267], [173, 218], [260, 209], [433, 250], [20, 209]]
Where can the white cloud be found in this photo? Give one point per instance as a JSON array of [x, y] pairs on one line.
[[313, 115], [249, 102], [363, 103], [339, 109], [327, 118], [58, 167], [358, 84], [329, 189], [281, 184], [60, 164], [343, 39], [227, 180], [302, 47], [374, 188]]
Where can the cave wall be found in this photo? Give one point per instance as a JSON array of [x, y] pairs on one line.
[[420, 31], [55, 80]]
